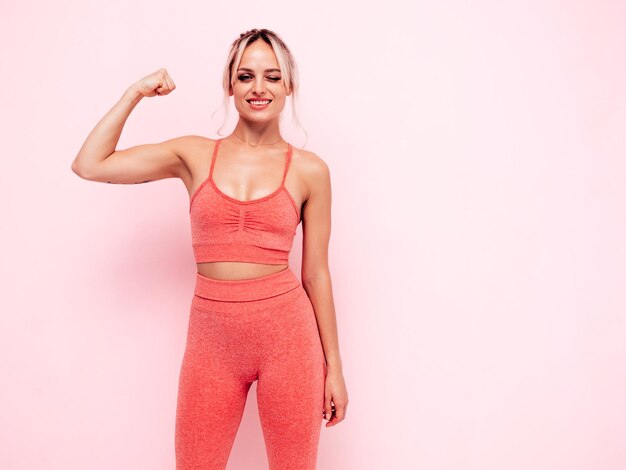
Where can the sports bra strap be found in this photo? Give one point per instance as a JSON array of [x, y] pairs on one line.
[[217, 144], [287, 164]]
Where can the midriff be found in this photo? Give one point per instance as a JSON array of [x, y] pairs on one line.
[[234, 270]]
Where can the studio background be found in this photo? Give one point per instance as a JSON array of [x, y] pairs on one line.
[[477, 251]]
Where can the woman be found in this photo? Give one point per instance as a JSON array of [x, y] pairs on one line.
[[250, 317]]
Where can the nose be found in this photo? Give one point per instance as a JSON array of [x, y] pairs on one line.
[[259, 86]]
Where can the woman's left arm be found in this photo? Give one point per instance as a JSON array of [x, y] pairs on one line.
[[316, 280]]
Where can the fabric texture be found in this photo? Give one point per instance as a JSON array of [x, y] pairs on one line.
[[226, 229], [239, 331]]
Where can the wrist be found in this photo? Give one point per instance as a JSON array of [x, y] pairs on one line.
[[132, 94], [334, 365]]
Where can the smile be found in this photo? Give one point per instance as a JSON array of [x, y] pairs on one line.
[[259, 104]]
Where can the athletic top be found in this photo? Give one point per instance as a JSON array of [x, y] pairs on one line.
[[257, 231]]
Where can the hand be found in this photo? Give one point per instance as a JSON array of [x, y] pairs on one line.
[[335, 392], [157, 83]]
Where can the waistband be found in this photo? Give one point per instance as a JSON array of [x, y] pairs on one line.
[[246, 289]]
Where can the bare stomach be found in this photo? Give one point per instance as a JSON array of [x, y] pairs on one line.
[[233, 270]]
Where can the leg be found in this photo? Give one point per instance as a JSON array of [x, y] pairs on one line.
[[211, 397], [290, 388]]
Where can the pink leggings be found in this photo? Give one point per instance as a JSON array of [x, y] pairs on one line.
[[240, 331]]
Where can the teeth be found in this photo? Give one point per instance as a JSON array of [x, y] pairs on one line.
[[259, 103]]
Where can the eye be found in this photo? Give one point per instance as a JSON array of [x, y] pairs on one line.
[[244, 77]]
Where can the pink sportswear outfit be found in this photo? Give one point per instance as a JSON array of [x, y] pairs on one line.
[[239, 331]]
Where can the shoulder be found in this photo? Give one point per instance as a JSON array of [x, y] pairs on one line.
[[187, 145], [310, 163], [313, 169], [192, 150]]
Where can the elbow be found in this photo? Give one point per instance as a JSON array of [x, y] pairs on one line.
[[311, 279], [80, 170], [77, 170]]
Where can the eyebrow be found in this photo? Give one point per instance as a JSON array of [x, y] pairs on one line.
[[250, 70]]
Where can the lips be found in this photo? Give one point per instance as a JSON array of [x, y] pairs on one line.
[[259, 105]]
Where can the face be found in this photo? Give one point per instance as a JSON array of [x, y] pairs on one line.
[[258, 78]]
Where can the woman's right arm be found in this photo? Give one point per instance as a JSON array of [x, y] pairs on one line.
[[98, 160]]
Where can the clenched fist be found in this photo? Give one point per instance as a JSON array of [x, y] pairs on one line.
[[157, 83]]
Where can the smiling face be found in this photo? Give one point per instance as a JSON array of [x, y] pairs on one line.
[[258, 80]]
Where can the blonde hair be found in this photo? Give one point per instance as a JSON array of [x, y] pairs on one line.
[[286, 63]]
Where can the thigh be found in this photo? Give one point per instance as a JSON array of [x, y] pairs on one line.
[[212, 394], [290, 388]]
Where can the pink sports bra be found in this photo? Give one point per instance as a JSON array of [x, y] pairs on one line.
[[226, 229]]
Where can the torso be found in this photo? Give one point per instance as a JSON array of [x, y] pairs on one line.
[[197, 156]]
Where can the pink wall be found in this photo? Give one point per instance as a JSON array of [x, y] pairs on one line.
[[477, 253]]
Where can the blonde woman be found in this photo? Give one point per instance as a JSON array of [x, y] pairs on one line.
[[250, 319]]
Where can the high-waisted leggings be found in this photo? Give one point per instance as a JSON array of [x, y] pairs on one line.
[[239, 331]]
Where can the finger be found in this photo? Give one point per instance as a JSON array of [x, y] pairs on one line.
[[340, 412], [328, 408], [332, 421], [332, 417], [171, 82], [162, 85], [168, 85]]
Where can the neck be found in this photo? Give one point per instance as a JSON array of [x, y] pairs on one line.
[[257, 133]]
